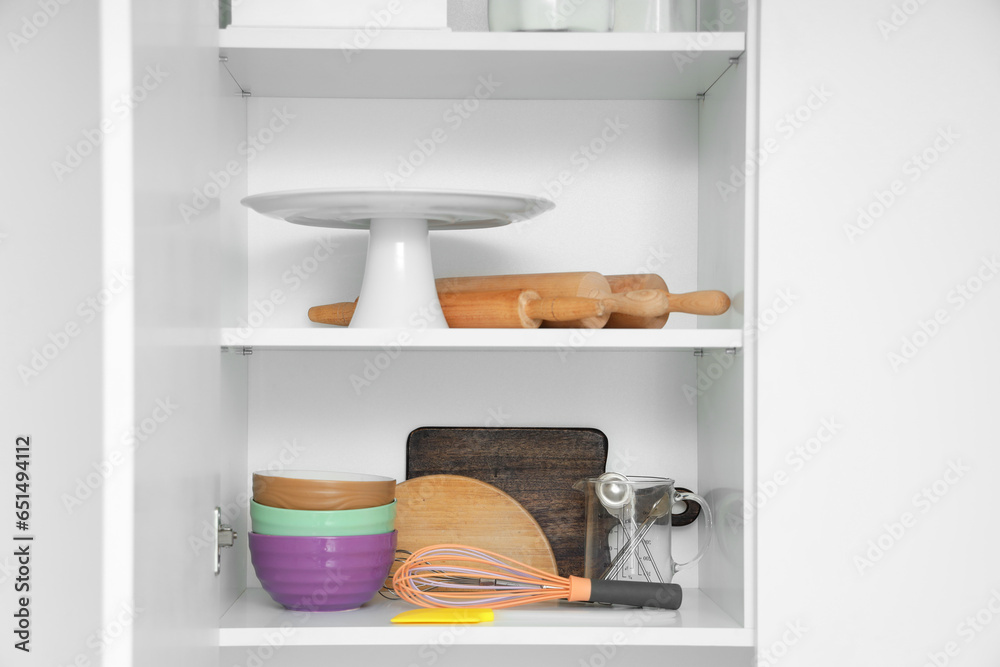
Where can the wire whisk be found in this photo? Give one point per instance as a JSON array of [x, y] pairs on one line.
[[455, 575]]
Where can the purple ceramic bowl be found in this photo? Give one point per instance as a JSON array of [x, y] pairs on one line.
[[322, 573]]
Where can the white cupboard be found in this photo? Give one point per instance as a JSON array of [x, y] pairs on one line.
[[158, 349], [611, 128]]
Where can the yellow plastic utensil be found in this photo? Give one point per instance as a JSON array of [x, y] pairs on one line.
[[449, 616]]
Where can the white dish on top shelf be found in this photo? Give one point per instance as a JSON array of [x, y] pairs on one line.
[[398, 290]]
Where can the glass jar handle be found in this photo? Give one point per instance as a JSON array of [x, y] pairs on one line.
[[687, 496]]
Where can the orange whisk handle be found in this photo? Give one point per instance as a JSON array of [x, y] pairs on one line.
[[632, 593]]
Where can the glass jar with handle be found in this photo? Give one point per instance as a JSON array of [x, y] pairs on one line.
[[628, 523], [551, 15], [656, 15]]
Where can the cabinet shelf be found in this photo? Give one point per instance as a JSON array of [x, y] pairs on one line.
[[483, 339], [431, 64], [254, 617]]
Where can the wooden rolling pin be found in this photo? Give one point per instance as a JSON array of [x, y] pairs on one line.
[[588, 284], [649, 308], [634, 312], [509, 309], [524, 309], [708, 302]]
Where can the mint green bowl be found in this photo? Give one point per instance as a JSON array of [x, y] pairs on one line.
[[322, 523]]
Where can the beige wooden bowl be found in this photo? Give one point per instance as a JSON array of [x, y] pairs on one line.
[[321, 490]]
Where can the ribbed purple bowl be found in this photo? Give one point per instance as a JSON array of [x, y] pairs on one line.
[[322, 573]]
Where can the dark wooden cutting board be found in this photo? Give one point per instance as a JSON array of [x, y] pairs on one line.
[[535, 466]]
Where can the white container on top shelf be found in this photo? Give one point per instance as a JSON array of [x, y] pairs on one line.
[[380, 14], [656, 15], [551, 15]]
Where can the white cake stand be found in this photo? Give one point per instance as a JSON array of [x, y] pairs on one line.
[[398, 290]]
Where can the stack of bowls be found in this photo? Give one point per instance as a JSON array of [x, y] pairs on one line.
[[322, 541]]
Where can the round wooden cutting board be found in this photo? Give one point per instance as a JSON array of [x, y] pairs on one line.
[[450, 509]]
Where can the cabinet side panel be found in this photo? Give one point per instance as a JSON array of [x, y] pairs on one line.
[[228, 177], [721, 465], [52, 359], [176, 88], [231, 170], [726, 171], [234, 487], [722, 174]]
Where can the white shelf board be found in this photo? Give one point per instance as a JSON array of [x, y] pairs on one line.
[[327, 338], [254, 618], [435, 64]]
